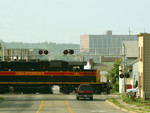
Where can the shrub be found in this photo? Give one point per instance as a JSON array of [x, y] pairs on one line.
[[139, 99], [125, 98]]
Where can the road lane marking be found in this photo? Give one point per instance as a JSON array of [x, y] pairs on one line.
[[40, 106], [68, 106]]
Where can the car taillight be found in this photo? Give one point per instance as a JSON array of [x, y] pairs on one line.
[[81, 92], [89, 91], [85, 92]]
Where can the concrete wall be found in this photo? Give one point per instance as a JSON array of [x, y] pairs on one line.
[[108, 59], [131, 49], [134, 73], [84, 42]]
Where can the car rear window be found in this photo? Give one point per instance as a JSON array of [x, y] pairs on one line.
[[85, 88]]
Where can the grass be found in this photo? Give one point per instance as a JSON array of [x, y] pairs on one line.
[[144, 105], [136, 101], [116, 93], [147, 107], [113, 100], [1, 99]]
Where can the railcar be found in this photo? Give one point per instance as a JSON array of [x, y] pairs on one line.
[[40, 76]]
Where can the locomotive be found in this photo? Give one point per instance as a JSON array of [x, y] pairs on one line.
[[39, 76]]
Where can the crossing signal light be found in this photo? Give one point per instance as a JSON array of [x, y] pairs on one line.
[[65, 52], [71, 51], [40, 52], [46, 52], [127, 75], [121, 76]]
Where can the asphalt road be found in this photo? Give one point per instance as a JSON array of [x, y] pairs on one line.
[[54, 103]]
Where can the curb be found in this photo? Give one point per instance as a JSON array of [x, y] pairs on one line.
[[107, 101]]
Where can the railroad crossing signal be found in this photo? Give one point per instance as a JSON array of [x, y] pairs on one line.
[[40, 52], [65, 52], [70, 51], [121, 76], [126, 75], [43, 51]]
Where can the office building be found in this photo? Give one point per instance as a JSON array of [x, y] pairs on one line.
[[107, 44]]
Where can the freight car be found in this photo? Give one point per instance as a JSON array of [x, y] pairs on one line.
[[40, 76]]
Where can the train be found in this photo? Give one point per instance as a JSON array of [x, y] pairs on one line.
[[40, 76]]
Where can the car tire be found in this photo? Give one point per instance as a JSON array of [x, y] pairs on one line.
[[77, 98], [91, 98]]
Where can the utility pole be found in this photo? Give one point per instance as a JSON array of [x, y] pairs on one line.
[[144, 30], [124, 55], [129, 34], [123, 70], [3, 53]]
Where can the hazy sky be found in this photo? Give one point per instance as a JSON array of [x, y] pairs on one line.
[[63, 21]]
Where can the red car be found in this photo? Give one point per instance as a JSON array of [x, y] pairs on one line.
[[84, 91]]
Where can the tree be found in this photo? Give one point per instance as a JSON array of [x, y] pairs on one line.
[[114, 76]]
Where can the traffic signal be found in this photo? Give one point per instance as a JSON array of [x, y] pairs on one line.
[[65, 52], [45, 52], [127, 75], [71, 51], [121, 76], [40, 52]]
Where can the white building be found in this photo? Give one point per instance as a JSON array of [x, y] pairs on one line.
[[131, 55]]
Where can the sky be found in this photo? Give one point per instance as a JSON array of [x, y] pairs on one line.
[[63, 21]]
